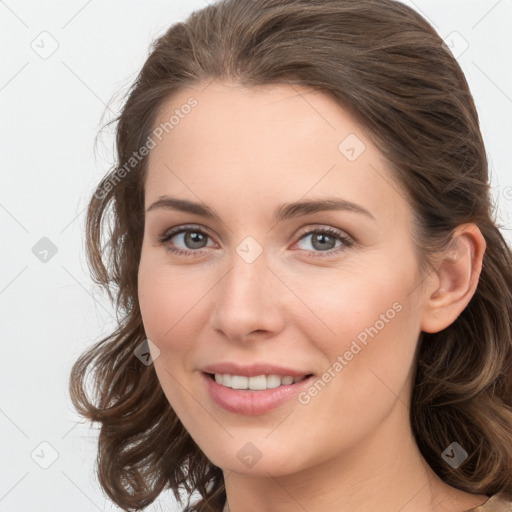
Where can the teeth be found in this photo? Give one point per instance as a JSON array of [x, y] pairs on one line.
[[239, 382], [256, 383]]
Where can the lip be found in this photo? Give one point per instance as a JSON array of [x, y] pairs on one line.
[[253, 370], [249, 402]]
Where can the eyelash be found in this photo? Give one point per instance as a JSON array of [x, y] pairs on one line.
[[346, 241]]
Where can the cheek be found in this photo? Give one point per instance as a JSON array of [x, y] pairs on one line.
[[366, 327], [167, 298], [368, 363], [167, 309], [348, 302]]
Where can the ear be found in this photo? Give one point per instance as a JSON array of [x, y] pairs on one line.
[[455, 280]]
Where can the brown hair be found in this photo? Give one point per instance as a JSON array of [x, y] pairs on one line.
[[380, 60]]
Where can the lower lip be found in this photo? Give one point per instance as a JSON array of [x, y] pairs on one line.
[[251, 403]]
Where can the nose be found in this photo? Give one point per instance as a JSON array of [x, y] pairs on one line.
[[249, 301]]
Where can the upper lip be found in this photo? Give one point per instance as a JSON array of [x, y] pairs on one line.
[[252, 370]]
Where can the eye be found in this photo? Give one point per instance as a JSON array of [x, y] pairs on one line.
[[185, 240], [325, 240], [190, 240]]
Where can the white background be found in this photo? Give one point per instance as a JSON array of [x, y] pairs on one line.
[[51, 111]]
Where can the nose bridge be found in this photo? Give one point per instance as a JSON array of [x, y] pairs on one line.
[[246, 281], [245, 301]]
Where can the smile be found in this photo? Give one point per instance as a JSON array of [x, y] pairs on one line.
[[237, 393]]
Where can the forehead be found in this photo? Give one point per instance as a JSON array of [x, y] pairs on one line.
[[274, 116], [279, 142]]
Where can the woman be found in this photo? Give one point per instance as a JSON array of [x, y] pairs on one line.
[[315, 301]]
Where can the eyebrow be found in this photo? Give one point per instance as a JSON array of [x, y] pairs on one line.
[[283, 212]]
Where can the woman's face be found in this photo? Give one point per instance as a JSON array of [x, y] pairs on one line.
[[332, 292]]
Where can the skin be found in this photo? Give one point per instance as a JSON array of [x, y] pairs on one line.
[[243, 152]]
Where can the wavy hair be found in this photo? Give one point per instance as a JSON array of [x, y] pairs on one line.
[[383, 63]]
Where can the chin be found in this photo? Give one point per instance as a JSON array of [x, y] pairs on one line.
[[255, 459]]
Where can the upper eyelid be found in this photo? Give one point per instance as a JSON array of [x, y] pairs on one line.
[[181, 229], [305, 230]]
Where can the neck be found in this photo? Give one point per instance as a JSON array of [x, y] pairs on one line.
[[384, 472]]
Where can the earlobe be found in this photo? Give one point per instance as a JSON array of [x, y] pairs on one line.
[[457, 275]]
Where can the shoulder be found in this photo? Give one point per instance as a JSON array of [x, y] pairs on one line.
[[499, 502]]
